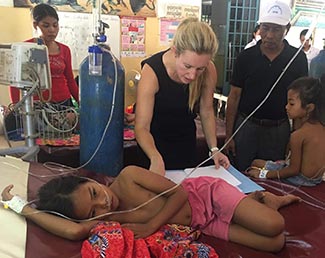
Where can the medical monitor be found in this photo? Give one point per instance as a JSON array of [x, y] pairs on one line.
[[24, 64]]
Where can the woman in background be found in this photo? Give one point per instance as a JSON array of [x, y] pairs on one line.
[[172, 83], [46, 19]]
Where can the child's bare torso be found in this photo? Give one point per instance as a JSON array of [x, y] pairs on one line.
[[313, 155], [131, 195]]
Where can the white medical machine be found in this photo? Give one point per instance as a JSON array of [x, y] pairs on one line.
[[25, 66]]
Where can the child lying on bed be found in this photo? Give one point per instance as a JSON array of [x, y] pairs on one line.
[[209, 204], [306, 106]]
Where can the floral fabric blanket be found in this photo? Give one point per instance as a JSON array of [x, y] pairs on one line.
[[109, 239]]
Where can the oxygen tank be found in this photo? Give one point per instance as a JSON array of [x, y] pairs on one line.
[[101, 78]]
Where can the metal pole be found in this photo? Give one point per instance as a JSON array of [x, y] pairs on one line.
[[28, 119]]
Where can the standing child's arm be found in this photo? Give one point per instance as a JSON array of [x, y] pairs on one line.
[[294, 167], [53, 224]]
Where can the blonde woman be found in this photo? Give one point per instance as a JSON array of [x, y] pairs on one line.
[[173, 83]]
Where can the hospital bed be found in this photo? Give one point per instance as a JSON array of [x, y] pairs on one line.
[[305, 223]]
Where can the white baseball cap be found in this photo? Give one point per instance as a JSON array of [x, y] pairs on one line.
[[276, 12]]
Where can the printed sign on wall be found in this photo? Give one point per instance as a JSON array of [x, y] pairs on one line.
[[142, 8], [133, 37]]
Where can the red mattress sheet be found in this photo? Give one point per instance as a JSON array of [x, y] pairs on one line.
[[305, 226]]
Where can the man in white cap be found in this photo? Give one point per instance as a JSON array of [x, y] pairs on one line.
[[266, 133]]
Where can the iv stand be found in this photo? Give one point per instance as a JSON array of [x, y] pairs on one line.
[[28, 119], [30, 149]]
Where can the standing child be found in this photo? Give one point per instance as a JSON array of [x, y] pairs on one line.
[[144, 201], [307, 144]]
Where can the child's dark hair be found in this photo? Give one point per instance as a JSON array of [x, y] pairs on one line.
[[311, 91], [55, 195], [41, 11]]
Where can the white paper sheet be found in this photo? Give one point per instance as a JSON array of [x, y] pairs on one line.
[[178, 175]]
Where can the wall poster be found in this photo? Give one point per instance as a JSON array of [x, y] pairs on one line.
[[167, 30], [133, 37], [143, 8]]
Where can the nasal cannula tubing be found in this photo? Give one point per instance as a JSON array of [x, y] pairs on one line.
[[314, 23]]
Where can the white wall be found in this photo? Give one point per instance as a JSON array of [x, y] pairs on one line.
[[15, 26], [4, 95]]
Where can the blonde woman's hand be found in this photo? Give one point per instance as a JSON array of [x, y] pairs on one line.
[[157, 165], [220, 160]]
